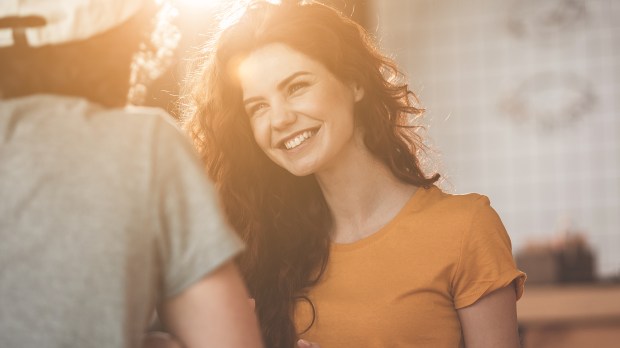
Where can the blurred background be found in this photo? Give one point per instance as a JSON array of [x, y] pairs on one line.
[[522, 100]]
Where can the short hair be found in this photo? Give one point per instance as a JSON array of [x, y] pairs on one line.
[[99, 68]]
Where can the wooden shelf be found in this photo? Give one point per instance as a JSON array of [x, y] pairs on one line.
[[570, 304], [571, 316]]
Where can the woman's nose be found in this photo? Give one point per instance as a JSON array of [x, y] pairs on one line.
[[282, 116]]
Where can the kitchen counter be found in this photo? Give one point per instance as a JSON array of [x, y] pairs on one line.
[[570, 316]]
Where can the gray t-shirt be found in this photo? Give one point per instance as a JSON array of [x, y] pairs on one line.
[[103, 212]]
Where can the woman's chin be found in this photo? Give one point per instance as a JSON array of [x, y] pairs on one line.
[[300, 169]]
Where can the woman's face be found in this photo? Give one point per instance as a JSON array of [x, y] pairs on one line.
[[301, 114]]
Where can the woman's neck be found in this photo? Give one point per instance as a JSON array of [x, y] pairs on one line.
[[363, 195]]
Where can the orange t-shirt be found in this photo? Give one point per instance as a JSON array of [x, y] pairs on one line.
[[401, 286]]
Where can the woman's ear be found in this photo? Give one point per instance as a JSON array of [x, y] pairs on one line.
[[358, 91]]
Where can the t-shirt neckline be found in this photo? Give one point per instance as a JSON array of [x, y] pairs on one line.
[[379, 234]]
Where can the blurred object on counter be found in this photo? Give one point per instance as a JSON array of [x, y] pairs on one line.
[[540, 263], [576, 260], [567, 259]]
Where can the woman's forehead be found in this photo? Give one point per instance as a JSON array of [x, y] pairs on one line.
[[274, 62]]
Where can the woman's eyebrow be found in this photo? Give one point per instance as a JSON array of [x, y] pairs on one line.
[[281, 85], [291, 77]]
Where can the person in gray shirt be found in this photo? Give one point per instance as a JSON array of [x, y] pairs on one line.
[[105, 210]]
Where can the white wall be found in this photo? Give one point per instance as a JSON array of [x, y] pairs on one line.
[[522, 99]]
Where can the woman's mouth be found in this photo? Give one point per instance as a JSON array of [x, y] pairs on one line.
[[299, 139]]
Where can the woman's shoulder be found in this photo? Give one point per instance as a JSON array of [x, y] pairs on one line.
[[434, 199], [444, 220]]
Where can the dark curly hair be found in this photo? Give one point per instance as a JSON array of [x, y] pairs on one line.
[[284, 219]]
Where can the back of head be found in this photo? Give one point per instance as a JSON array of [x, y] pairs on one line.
[[78, 48]]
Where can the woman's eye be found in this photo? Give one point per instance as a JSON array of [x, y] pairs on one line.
[[255, 108], [294, 87]]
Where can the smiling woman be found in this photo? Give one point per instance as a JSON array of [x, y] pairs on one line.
[[306, 128], [301, 115]]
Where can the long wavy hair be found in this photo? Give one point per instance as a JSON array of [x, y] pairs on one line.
[[284, 219]]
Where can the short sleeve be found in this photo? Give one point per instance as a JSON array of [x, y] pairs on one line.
[[195, 238], [485, 261]]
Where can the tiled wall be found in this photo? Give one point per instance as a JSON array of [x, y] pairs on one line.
[[523, 100]]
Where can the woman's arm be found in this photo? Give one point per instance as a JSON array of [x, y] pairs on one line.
[[491, 321]]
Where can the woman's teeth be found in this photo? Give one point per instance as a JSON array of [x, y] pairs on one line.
[[298, 140]]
